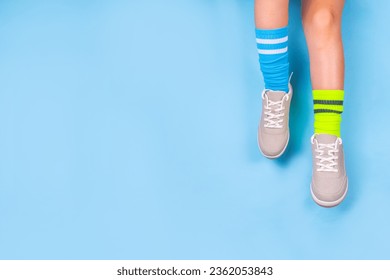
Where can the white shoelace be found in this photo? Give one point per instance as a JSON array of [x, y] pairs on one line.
[[327, 162], [274, 112]]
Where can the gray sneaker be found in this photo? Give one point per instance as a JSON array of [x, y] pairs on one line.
[[273, 131], [329, 183]]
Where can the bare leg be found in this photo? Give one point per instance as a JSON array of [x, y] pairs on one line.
[[271, 14], [322, 26]]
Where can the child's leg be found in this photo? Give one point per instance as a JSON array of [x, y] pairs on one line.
[[271, 14], [322, 25], [272, 45], [271, 18]]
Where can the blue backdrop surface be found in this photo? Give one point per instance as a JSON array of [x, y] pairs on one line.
[[128, 131]]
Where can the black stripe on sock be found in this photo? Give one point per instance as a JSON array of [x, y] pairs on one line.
[[326, 111], [328, 102]]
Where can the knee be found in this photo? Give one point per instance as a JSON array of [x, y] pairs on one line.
[[321, 22]]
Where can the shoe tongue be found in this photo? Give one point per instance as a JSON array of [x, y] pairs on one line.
[[275, 95], [326, 138]]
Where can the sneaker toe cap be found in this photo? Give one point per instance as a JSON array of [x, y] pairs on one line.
[[329, 190], [272, 145]]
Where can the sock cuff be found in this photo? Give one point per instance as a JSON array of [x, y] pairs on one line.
[[328, 106], [328, 96], [272, 47], [272, 33]]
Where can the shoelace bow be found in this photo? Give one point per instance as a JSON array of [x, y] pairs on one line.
[[274, 112], [327, 162]]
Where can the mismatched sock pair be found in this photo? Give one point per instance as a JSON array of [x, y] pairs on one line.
[[272, 46]]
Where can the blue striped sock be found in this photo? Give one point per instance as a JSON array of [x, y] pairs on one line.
[[272, 46]]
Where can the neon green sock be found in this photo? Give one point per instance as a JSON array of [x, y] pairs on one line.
[[328, 106]]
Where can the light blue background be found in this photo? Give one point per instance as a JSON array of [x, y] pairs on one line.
[[128, 131]]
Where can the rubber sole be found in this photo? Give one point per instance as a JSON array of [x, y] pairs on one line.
[[328, 204]]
